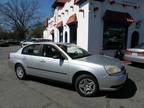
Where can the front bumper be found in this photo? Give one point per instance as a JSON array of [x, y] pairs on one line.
[[114, 82]]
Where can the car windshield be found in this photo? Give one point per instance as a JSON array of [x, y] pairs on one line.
[[141, 46], [74, 51]]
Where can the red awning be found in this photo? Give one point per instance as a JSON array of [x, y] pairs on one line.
[[59, 3], [76, 1], [79, 1], [116, 16], [72, 19], [60, 24]]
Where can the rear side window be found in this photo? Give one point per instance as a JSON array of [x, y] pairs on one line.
[[36, 50]]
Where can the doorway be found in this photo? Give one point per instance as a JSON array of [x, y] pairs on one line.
[[73, 33], [66, 37], [60, 34], [115, 30], [134, 39]]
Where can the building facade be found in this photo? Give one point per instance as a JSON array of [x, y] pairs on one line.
[[99, 26]]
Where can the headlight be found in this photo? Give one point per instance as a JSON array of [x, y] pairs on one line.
[[112, 69]]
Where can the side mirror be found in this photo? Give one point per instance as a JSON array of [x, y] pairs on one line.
[[59, 56]]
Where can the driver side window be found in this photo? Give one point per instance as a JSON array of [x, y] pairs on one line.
[[51, 51]]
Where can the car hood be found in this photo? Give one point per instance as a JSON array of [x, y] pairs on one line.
[[101, 60]]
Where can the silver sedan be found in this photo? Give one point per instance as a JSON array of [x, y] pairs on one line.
[[71, 64], [135, 55]]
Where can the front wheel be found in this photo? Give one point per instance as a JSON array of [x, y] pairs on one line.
[[20, 72], [86, 85]]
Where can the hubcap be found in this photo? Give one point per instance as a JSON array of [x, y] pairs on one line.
[[87, 86], [20, 72]]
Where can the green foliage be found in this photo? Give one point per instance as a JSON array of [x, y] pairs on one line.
[[19, 16], [37, 30]]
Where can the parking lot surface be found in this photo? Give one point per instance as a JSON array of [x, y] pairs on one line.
[[42, 93]]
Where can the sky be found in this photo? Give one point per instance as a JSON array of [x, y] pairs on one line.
[[45, 8]]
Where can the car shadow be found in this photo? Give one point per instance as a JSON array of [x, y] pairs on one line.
[[51, 82], [128, 91], [138, 65]]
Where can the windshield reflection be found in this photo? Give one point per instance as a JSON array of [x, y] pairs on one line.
[[74, 51]]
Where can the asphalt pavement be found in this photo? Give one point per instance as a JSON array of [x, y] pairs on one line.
[[42, 93]]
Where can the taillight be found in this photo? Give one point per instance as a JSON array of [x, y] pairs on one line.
[[141, 54], [128, 52]]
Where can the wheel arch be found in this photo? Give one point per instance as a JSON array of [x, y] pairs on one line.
[[77, 74], [18, 63]]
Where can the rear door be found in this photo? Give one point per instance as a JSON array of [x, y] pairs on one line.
[[32, 56]]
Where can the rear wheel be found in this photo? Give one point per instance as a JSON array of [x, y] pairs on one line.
[[20, 72], [86, 85]]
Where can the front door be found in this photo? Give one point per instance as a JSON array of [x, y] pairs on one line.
[[53, 66]]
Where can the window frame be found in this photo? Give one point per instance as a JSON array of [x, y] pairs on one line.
[[55, 47], [32, 54]]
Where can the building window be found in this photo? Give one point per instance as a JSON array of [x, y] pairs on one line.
[[52, 37], [60, 35], [73, 33], [115, 36], [66, 37]]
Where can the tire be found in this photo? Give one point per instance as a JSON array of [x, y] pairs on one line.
[[134, 63], [86, 85], [20, 72]]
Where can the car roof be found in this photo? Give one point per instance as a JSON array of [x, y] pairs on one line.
[[53, 43]]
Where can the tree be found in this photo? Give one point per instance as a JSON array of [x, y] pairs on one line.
[[19, 15], [37, 30]]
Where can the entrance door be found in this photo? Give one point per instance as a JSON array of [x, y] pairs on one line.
[[134, 39], [60, 34], [66, 37], [53, 37], [115, 36], [73, 33]]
